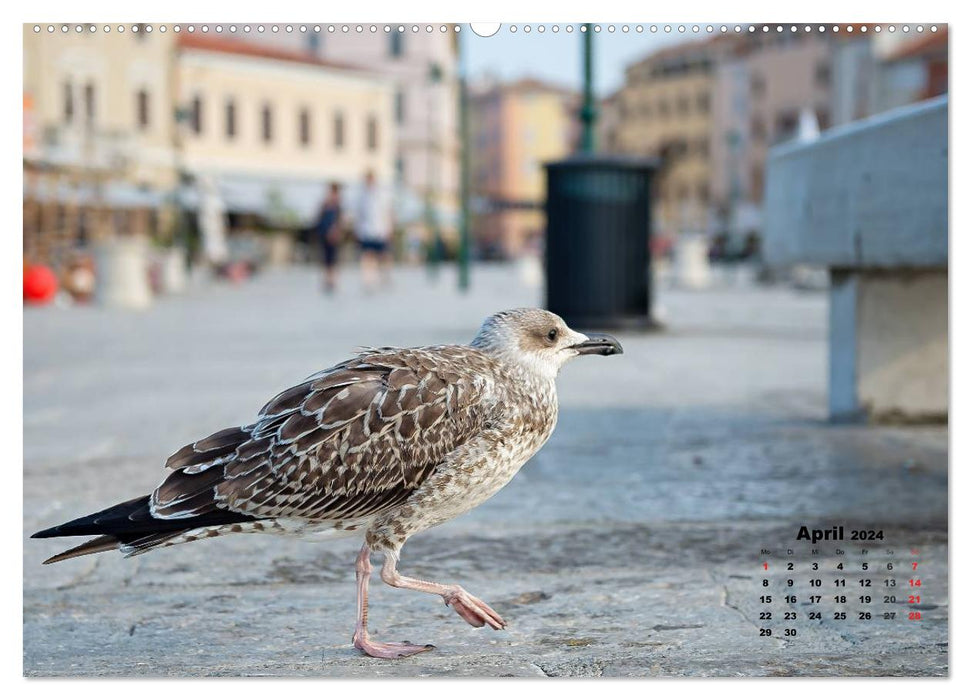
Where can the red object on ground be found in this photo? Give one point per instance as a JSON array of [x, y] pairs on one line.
[[40, 284], [237, 271]]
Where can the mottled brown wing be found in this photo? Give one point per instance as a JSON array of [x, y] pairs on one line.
[[348, 443]]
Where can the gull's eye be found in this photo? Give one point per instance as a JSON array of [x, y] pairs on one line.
[[551, 336]]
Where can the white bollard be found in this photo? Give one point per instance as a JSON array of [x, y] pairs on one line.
[[121, 269], [174, 271], [691, 261], [530, 271]]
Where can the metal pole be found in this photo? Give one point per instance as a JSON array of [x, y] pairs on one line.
[[434, 151], [180, 235], [430, 232], [588, 113], [464, 146]]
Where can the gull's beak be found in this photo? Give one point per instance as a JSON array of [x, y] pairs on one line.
[[599, 344]]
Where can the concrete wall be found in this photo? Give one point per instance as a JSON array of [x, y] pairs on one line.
[[888, 346], [869, 202], [903, 349], [872, 194]]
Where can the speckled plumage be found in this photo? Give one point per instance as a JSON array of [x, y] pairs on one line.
[[393, 441], [388, 443]]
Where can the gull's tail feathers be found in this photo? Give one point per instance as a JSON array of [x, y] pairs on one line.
[[131, 527]]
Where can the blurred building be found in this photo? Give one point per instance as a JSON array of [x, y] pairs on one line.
[[664, 109], [122, 130], [712, 110], [514, 129], [608, 124], [913, 70], [423, 71], [270, 126], [98, 137], [767, 86]]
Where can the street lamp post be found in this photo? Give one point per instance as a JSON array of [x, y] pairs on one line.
[[588, 113], [464, 232], [431, 220], [180, 234]]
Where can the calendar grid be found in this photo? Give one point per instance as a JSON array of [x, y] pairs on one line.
[[806, 585]]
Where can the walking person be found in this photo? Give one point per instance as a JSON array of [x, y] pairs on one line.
[[373, 224], [328, 232]]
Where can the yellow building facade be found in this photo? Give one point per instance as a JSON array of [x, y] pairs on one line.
[[515, 129], [262, 114], [101, 100], [114, 121], [664, 110], [98, 137]]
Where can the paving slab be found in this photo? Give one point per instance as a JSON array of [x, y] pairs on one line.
[[629, 546]]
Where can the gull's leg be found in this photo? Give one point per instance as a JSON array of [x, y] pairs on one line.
[[362, 641], [474, 611]]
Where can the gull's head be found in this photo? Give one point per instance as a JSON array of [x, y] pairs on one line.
[[539, 340]]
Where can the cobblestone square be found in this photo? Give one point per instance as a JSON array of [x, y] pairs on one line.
[[629, 546]]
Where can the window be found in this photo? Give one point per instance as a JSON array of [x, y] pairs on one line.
[[662, 108], [339, 130], [822, 118], [399, 107], [758, 182], [372, 133], [230, 119], [703, 193], [195, 115], [141, 105], [266, 120], [396, 47], [758, 129], [683, 104], [304, 127], [704, 102], [786, 125], [89, 102], [68, 102], [702, 147], [758, 86], [822, 75], [399, 168]]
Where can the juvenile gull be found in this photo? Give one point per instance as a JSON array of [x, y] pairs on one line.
[[389, 443]]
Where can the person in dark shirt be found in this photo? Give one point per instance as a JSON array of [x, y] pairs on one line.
[[328, 232]]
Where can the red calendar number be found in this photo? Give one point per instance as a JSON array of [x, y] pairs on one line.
[[915, 583], [913, 616]]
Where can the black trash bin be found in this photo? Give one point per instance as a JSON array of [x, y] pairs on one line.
[[598, 227]]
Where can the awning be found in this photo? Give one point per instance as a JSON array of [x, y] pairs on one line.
[[113, 194], [297, 202]]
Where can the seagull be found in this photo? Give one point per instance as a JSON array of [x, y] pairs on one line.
[[389, 443]]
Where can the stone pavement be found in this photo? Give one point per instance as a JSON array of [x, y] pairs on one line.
[[630, 546]]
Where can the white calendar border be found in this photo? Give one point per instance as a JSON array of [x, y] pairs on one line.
[[509, 11]]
